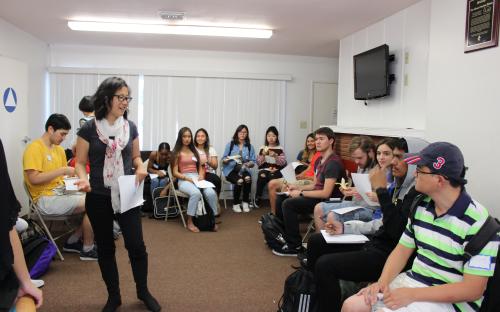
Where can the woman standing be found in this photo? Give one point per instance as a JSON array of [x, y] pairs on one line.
[[110, 143], [238, 158], [271, 160], [187, 167], [208, 157]]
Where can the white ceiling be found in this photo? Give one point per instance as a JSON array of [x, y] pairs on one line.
[[302, 27]]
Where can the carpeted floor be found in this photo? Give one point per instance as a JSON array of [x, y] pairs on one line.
[[230, 270]]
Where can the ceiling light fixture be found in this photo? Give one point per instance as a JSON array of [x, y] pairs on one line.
[[171, 29]]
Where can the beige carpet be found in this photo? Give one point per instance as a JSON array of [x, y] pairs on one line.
[[231, 270]]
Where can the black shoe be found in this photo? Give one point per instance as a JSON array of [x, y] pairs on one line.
[[257, 202], [149, 301], [286, 251], [112, 304]]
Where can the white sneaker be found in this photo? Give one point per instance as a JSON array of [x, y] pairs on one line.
[[237, 208], [245, 207], [38, 283]]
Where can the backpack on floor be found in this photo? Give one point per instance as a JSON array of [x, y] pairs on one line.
[[38, 250], [299, 294], [204, 219], [161, 203], [273, 230]]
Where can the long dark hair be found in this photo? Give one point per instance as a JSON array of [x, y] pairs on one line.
[[206, 146], [306, 153], [235, 136], [163, 146], [178, 146], [275, 132], [103, 97]]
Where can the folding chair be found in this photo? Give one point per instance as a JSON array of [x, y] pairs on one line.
[[173, 192], [34, 213], [226, 187]]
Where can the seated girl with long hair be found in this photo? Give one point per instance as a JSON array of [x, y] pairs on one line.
[[186, 167], [208, 157], [271, 160]]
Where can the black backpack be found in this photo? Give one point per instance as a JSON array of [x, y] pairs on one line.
[[273, 230], [204, 219], [161, 203], [299, 294], [38, 250], [490, 228]]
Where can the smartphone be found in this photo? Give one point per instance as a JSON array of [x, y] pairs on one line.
[[334, 200]]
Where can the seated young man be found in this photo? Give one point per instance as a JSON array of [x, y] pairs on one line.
[[302, 199], [45, 165], [362, 151], [440, 279], [364, 262]]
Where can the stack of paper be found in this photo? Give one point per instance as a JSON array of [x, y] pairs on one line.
[[344, 238]]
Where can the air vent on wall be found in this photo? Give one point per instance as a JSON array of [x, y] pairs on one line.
[[171, 16]]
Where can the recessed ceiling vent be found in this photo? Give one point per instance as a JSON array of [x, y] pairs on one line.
[[171, 16]]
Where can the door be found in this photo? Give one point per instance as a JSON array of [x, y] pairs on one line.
[[14, 120], [324, 104]]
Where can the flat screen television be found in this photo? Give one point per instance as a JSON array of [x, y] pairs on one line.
[[371, 73]]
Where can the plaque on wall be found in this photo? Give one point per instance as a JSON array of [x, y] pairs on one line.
[[481, 28]]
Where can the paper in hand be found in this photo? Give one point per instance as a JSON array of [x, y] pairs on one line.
[[288, 173], [363, 186], [131, 195]]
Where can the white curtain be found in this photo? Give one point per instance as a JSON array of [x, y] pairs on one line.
[[217, 104], [67, 89]]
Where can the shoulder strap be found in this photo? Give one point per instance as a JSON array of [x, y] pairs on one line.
[[231, 147], [485, 234], [413, 208]]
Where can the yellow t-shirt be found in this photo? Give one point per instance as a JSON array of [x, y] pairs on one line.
[[39, 157]]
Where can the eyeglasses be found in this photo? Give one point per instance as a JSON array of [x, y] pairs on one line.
[[419, 171], [122, 98]]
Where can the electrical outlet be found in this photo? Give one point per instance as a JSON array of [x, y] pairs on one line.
[[303, 124]]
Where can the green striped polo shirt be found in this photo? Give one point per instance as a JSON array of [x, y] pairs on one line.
[[440, 243]]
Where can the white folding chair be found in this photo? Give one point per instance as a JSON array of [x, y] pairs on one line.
[[226, 191], [35, 213]]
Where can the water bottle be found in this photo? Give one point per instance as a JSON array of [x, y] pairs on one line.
[[379, 304]]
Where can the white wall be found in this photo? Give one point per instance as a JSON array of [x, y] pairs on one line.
[[304, 70], [404, 32], [463, 99], [29, 51]]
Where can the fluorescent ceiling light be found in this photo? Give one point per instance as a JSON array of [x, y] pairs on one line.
[[171, 29]]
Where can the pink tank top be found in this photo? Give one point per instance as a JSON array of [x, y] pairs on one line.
[[187, 164]]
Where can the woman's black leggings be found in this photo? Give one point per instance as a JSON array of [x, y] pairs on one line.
[[100, 212], [263, 178], [243, 181]]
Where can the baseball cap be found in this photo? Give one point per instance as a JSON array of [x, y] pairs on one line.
[[441, 158]]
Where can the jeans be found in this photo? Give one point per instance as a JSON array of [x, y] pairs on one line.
[[195, 195], [264, 177], [158, 183], [364, 214], [101, 215]]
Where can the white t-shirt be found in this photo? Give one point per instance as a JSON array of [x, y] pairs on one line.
[[211, 153]]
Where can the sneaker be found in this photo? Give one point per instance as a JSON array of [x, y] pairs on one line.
[[256, 202], [302, 256], [90, 255], [38, 283], [237, 208], [74, 247], [286, 251], [245, 207]]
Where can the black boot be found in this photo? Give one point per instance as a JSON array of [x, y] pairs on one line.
[[139, 263], [149, 301], [112, 304]]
